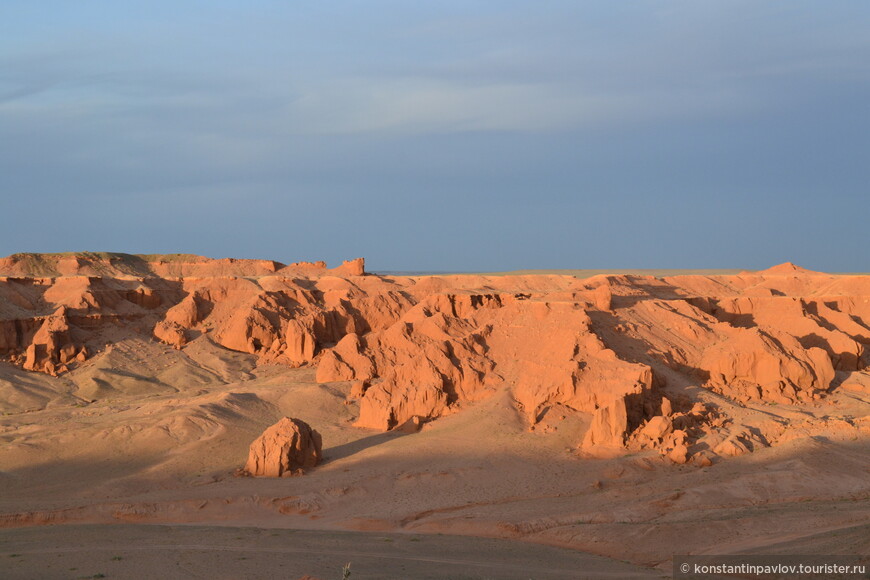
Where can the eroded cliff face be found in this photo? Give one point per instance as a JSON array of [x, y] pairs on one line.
[[450, 349], [646, 363], [280, 313]]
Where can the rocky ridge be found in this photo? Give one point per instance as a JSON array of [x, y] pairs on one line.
[[645, 362]]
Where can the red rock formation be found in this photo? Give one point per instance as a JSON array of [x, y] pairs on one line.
[[356, 267], [109, 264], [451, 349], [608, 347], [273, 317], [171, 333], [609, 427], [52, 347], [358, 389], [787, 268], [285, 448], [770, 366]]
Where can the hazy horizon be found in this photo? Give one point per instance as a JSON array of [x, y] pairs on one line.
[[472, 136]]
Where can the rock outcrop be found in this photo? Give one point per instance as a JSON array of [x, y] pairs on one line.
[[609, 427], [458, 348], [288, 447], [61, 308], [616, 349], [755, 365]]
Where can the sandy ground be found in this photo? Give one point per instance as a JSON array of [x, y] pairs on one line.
[[142, 551], [169, 458]]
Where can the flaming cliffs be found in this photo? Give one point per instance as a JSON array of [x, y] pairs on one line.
[[641, 360]]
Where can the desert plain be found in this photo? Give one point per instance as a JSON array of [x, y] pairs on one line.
[[516, 425]]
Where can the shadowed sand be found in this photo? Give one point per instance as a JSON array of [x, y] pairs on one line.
[[138, 551]]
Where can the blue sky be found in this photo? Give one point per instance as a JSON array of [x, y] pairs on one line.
[[440, 136]]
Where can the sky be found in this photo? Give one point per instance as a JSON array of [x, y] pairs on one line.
[[440, 136]]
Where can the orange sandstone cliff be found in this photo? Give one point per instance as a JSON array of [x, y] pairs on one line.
[[642, 362]]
